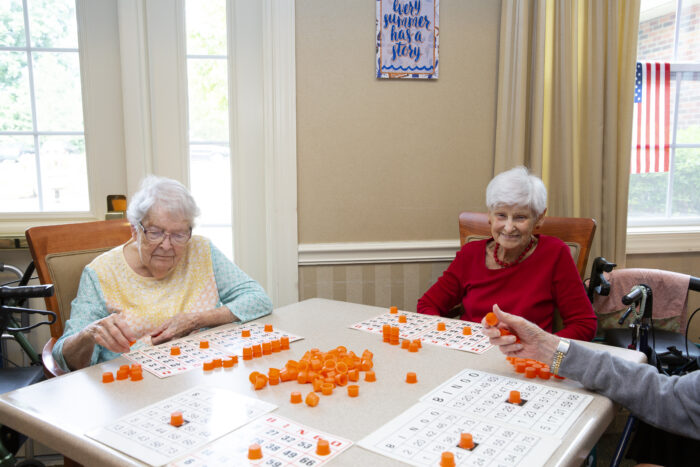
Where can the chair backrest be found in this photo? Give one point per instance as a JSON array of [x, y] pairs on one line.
[[60, 253], [576, 232]]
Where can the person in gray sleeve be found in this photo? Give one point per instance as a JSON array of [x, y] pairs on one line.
[[671, 403]]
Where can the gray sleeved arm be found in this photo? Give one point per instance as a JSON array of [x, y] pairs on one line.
[[670, 403]]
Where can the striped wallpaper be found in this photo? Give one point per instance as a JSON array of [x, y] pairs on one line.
[[385, 285]]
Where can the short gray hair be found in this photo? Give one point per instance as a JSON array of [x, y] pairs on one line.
[[517, 187], [168, 194]]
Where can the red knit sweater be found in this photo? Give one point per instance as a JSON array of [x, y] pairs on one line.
[[533, 288]]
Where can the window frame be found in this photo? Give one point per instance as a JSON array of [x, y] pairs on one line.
[[98, 52], [668, 234]]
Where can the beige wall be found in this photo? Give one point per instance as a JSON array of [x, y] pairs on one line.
[[391, 160]]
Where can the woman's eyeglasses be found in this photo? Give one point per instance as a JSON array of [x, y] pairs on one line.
[[157, 236]]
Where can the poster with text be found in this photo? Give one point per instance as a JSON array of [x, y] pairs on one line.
[[408, 34]]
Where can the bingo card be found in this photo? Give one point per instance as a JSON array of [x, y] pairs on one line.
[[424, 327], [222, 343], [283, 442], [477, 402], [208, 414]]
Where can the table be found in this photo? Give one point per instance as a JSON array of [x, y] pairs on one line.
[[59, 411]]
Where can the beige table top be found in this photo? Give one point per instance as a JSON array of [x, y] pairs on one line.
[[59, 411]]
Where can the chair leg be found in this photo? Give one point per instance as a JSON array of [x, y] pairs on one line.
[[624, 440]]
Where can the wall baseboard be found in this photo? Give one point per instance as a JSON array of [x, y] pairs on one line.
[[377, 252]]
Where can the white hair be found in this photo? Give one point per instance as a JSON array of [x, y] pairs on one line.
[[168, 194], [517, 187]]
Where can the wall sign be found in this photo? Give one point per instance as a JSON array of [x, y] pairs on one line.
[[407, 38]]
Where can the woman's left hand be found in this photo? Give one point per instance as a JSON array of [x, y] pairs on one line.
[[179, 325], [183, 324]]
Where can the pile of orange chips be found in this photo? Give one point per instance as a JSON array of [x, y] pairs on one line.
[[325, 371]]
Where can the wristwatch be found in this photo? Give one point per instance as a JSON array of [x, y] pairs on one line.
[[559, 354]]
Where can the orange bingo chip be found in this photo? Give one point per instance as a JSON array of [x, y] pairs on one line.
[[136, 374], [402, 318], [447, 459], [405, 344], [267, 348], [176, 419], [284, 343], [466, 441], [323, 448], [491, 319], [245, 333], [411, 378], [467, 331], [514, 397], [204, 344], [123, 373], [327, 389], [217, 363], [260, 382], [247, 353], [107, 377], [268, 328], [295, 397], [227, 362], [418, 343], [254, 452], [531, 372], [413, 347], [353, 390], [393, 310], [370, 376], [174, 350], [341, 379], [353, 375], [441, 326], [312, 399], [544, 373], [275, 346]]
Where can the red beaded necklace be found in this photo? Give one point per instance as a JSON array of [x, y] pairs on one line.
[[504, 264]]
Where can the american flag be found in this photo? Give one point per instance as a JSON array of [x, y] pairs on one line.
[[651, 126]]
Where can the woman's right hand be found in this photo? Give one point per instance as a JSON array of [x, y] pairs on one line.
[[112, 332]]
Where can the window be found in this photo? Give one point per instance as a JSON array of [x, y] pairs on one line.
[[42, 142], [207, 89], [669, 32]]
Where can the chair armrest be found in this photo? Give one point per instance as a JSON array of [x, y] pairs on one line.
[[455, 313], [51, 369]]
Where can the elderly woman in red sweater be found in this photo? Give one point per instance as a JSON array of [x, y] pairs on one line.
[[524, 273]]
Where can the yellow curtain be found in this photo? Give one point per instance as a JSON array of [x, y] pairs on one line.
[[565, 96]]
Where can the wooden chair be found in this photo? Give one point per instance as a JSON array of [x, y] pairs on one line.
[[60, 253], [576, 232]]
